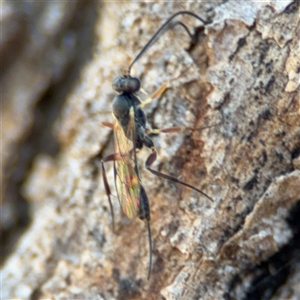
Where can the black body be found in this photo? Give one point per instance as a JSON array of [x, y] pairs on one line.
[[121, 109], [129, 115]]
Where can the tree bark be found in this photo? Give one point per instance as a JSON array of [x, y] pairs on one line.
[[236, 92]]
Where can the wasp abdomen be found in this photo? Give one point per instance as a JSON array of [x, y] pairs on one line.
[[126, 84]]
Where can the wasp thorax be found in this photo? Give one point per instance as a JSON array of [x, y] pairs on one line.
[[126, 84], [120, 107]]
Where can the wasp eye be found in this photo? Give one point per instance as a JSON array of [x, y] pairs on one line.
[[133, 84], [126, 84]]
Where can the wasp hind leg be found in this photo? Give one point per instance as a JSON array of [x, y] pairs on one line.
[[151, 159], [111, 157]]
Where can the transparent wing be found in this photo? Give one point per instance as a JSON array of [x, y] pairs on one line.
[[126, 178]]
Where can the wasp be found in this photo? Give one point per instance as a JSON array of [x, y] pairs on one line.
[[131, 133]]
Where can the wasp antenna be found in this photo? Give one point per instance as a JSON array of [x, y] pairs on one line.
[[184, 27], [162, 30]]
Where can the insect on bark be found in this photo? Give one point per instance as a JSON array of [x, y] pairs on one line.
[[131, 133]]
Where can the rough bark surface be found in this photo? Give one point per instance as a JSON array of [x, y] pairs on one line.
[[236, 90]]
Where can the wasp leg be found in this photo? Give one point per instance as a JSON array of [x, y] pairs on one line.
[[156, 94], [164, 130], [111, 157], [150, 160], [108, 124]]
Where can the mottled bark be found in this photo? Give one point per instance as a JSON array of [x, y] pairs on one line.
[[235, 90]]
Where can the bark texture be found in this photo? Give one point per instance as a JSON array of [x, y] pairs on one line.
[[236, 90]]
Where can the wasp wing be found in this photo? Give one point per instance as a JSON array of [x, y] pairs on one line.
[[126, 173]]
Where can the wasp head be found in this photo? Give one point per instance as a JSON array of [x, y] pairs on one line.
[[126, 84]]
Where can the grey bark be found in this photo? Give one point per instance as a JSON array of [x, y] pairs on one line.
[[236, 92]]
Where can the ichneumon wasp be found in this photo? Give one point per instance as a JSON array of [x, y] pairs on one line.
[[131, 133]]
